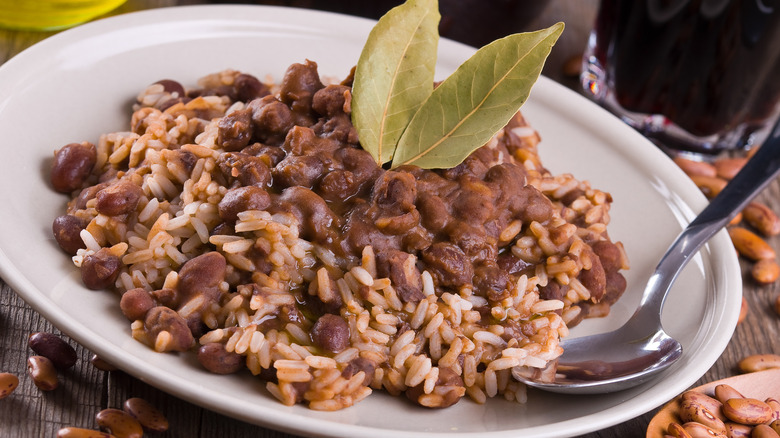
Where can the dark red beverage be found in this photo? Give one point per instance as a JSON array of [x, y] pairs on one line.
[[711, 67]]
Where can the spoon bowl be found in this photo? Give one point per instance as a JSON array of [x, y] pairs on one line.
[[640, 349]]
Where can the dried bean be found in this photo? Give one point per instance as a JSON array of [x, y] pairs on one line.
[[709, 185], [775, 405], [759, 362], [777, 305], [762, 218], [697, 430], [101, 364], [8, 383], [119, 423], [693, 167], [747, 411], [736, 430], [724, 392], [77, 432], [727, 168], [43, 373], [765, 271], [736, 219], [743, 311], [696, 412], [572, 67], [697, 398], [677, 431], [150, 417], [764, 431], [750, 245], [775, 425], [54, 348]]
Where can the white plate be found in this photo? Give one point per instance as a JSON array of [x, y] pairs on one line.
[[80, 83]]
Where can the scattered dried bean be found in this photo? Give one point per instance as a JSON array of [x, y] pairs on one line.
[[54, 348], [750, 245], [693, 167], [743, 311], [709, 185], [150, 417], [762, 218], [77, 432], [101, 364], [727, 168], [8, 383], [43, 373], [119, 423], [765, 271], [777, 305], [572, 67], [759, 362]]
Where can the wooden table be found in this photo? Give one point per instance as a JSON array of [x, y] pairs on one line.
[[84, 390]]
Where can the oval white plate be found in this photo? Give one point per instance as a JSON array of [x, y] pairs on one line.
[[80, 83]]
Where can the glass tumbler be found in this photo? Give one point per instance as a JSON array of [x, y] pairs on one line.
[[696, 76]]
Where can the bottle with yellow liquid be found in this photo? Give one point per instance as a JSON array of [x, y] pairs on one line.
[[52, 14]]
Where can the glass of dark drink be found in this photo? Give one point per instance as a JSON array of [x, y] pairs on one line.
[[698, 76]]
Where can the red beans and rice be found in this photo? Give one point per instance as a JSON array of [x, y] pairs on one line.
[[246, 223]]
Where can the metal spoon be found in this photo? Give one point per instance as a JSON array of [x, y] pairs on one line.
[[637, 351]]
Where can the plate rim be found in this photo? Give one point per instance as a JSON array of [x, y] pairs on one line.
[[549, 90]]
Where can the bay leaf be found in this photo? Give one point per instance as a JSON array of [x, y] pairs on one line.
[[394, 75], [476, 101]]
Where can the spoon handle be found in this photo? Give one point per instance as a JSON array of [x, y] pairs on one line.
[[757, 173]]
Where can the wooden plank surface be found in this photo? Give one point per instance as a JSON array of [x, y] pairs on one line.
[[84, 390]]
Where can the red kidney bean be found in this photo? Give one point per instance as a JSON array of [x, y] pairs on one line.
[[100, 270], [54, 348], [67, 229], [72, 165], [216, 359]]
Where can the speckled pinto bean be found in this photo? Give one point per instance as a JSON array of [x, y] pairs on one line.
[[736, 430], [72, 165], [8, 383], [150, 417], [676, 431], [747, 411], [724, 392], [759, 362], [692, 411], [216, 359], [762, 218], [59, 352], [77, 432], [750, 245], [698, 430], [42, 372], [119, 423], [764, 431]]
